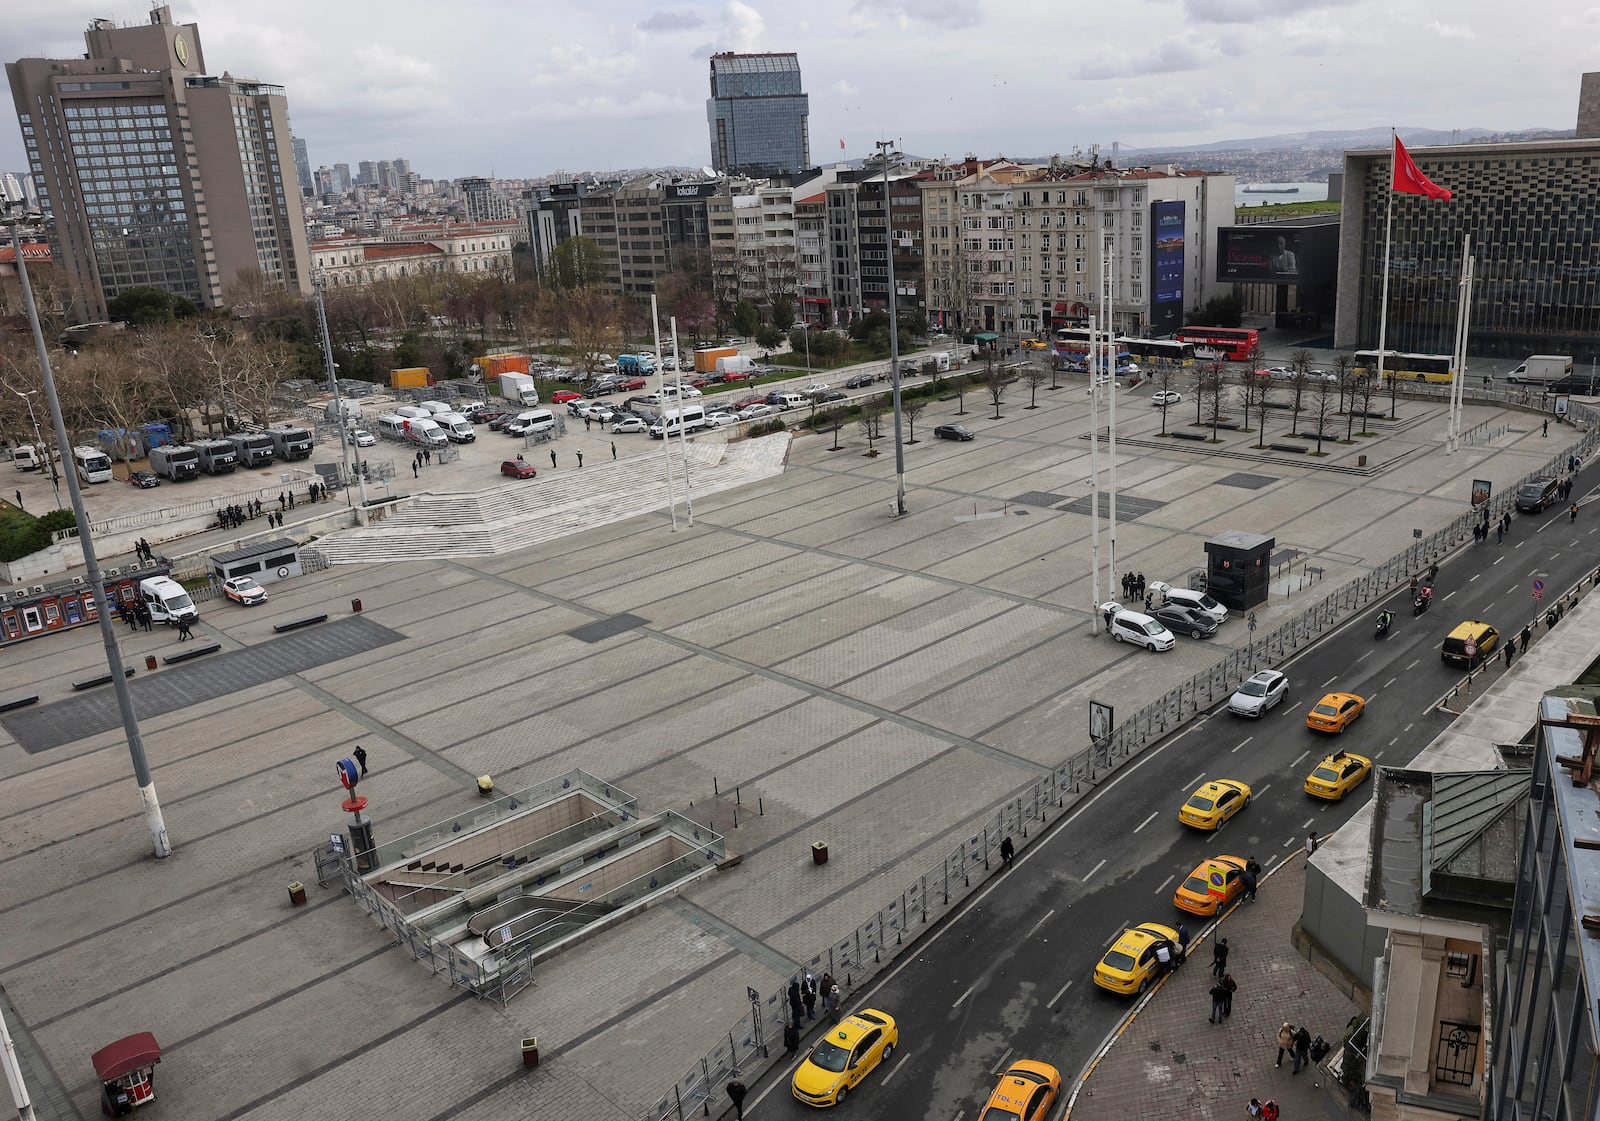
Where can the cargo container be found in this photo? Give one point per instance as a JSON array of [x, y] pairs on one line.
[[493, 365], [705, 359], [175, 461], [410, 377]]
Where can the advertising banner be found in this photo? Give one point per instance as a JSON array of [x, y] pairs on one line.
[[1166, 268], [1259, 253], [1481, 489]]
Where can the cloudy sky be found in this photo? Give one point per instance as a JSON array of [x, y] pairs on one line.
[[530, 87]]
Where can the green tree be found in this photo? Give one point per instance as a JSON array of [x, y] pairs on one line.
[[1219, 311], [576, 263], [782, 312], [746, 318], [143, 305], [768, 337], [409, 352], [865, 325]]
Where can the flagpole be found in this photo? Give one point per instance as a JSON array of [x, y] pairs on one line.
[[1458, 356], [1388, 235], [1107, 304], [1094, 477], [661, 395]]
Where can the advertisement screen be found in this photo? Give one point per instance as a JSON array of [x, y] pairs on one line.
[[1279, 254], [1166, 266]]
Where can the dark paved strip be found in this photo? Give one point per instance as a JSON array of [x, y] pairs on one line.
[[77, 718]]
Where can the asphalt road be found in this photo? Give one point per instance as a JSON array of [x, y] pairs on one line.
[[1009, 976]]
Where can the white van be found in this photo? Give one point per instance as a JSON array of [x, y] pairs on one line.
[[413, 411], [167, 600], [457, 427], [1141, 630], [25, 457], [684, 420], [534, 420], [435, 408], [787, 401], [391, 426], [92, 464], [425, 430]]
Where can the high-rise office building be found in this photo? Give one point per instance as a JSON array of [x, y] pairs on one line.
[[157, 173], [758, 115], [367, 174], [302, 164]]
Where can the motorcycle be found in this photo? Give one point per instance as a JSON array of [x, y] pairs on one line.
[[1384, 622], [1420, 604]]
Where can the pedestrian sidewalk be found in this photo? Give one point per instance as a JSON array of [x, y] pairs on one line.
[[1169, 1060]]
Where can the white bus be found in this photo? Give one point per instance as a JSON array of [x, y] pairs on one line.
[[93, 465]]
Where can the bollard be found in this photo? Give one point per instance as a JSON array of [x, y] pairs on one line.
[[355, 606]]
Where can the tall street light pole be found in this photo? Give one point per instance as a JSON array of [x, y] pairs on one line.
[[38, 437], [886, 150], [338, 401], [14, 215]]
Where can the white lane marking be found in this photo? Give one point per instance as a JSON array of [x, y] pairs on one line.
[[1041, 922], [964, 995], [1262, 791], [999, 1065], [1162, 886], [1146, 821], [1498, 559], [1198, 779], [1292, 707], [1413, 665], [897, 1068], [1365, 656], [1511, 590], [1298, 758], [1475, 575], [1061, 992], [1407, 728], [1394, 741], [1390, 682], [1124, 926], [1451, 594], [1093, 870], [1242, 742], [1290, 843], [1328, 682]]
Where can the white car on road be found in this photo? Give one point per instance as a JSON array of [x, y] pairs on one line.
[[1259, 693]]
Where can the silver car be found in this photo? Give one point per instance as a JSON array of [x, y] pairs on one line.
[[1259, 693]]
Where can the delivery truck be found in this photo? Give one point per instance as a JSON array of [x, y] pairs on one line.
[[705, 359], [1541, 367], [735, 367], [519, 389], [411, 377], [176, 462]]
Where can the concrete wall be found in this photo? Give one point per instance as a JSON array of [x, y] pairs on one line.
[[473, 848], [1337, 923], [634, 863]]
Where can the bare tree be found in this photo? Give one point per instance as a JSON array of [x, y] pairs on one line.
[[1207, 381], [1394, 392], [261, 367], [912, 408], [1324, 399], [871, 422], [1213, 394], [1033, 376], [1264, 389], [1166, 373], [589, 320], [995, 385], [960, 383], [1365, 388]]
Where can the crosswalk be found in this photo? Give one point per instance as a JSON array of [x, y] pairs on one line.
[[528, 512]]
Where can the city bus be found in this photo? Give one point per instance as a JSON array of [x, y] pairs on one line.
[[1437, 368], [1236, 344], [1159, 352], [1073, 342]]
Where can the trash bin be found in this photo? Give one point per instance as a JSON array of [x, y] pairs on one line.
[[297, 894], [485, 786], [149, 661], [819, 852], [1361, 461], [355, 605], [530, 1052]]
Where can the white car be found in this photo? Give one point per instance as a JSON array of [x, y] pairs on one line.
[[1259, 693], [363, 438], [596, 410], [814, 388], [629, 424], [717, 420], [1200, 601], [751, 412], [242, 589], [1161, 398], [1136, 627]]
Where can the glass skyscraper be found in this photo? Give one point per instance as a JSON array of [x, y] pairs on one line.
[[758, 115]]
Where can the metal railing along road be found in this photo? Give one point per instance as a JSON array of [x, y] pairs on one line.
[[858, 955]]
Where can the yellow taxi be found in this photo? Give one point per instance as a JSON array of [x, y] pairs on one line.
[[1130, 964], [1338, 775], [1034, 344], [1335, 712], [1026, 1092], [1194, 893], [1214, 803], [838, 1061]]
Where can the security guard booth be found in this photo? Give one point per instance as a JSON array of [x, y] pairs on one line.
[[275, 559]]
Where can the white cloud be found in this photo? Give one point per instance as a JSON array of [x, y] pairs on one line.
[[745, 30], [1451, 31]]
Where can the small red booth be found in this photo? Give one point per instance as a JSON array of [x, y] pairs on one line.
[[127, 1073]]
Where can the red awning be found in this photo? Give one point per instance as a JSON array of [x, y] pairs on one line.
[[126, 1055], [1061, 309]]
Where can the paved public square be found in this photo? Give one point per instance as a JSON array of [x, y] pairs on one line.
[[808, 664]]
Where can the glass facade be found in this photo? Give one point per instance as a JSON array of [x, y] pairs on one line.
[[758, 115], [1545, 1063], [1532, 214]]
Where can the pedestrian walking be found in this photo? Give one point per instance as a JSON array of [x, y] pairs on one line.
[[1248, 879], [1546, 431], [834, 1000], [184, 633], [1127, 581], [1285, 1042], [1527, 637], [1510, 653], [1219, 958], [1574, 513], [291, 500], [1302, 1049], [552, 457], [1183, 941], [1254, 1108], [1218, 996], [19, 500], [1269, 1110], [580, 457], [361, 759], [1164, 957], [1312, 841], [736, 1093], [1500, 535], [1227, 1002], [808, 996], [587, 424], [791, 1038], [413, 470], [613, 450], [796, 1009], [1505, 520], [1140, 580], [1008, 852]]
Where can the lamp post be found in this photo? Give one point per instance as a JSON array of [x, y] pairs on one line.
[[14, 207], [338, 401], [886, 150], [38, 438]]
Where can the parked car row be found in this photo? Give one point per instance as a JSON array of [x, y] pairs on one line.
[[1180, 610]]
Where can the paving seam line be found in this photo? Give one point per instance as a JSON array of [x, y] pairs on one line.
[[1138, 1006]]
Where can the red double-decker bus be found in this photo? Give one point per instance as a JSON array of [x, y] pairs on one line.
[[1236, 344]]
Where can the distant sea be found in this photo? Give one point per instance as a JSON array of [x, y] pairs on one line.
[[1308, 192]]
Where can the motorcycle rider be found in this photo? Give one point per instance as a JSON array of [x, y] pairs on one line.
[[1385, 620]]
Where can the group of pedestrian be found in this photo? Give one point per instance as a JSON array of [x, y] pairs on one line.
[[1296, 1043], [141, 549], [135, 614], [1262, 1110], [1482, 529], [1222, 998], [1133, 586], [316, 492]]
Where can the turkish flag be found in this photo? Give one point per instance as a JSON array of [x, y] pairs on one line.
[[1408, 178]]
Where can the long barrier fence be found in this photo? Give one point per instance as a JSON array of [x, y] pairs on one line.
[[860, 954]]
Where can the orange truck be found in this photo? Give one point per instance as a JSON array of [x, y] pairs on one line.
[[705, 359], [493, 365], [411, 376]]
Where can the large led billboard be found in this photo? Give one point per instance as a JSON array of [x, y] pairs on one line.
[[1277, 254], [1166, 268]]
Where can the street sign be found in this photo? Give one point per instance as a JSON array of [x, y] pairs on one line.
[[1470, 648], [1538, 589]]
